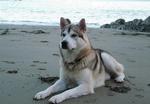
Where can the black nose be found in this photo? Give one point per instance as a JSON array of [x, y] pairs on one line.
[[64, 44]]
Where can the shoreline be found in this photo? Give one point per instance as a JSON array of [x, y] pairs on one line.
[[30, 23], [28, 52]]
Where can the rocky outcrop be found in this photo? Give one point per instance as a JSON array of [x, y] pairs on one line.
[[135, 25]]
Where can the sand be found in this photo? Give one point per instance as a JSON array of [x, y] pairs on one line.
[[28, 52]]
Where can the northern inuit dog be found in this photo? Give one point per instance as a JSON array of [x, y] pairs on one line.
[[80, 65]]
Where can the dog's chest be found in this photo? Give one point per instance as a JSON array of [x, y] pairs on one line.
[[78, 77], [72, 76]]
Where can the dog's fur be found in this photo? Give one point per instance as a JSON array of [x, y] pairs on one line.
[[81, 65]]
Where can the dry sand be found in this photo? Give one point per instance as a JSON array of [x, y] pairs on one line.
[[28, 52]]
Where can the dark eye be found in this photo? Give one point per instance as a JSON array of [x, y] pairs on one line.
[[63, 34], [74, 35]]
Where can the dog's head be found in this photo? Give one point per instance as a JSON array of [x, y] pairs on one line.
[[73, 36]]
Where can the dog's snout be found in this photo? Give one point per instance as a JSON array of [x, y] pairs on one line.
[[64, 44]]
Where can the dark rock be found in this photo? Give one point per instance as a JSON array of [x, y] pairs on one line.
[[137, 22], [135, 25], [105, 26], [146, 21], [120, 22]]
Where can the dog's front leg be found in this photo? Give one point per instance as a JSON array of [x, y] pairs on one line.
[[82, 89], [59, 85]]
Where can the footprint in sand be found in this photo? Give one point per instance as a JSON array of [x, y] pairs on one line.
[[5, 32], [12, 71], [139, 96], [41, 69], [148, 85], [44, 41], [40, 62], [8, 62], [34, 32], [55, 54], [131, 60]]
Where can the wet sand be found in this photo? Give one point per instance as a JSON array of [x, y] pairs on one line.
[[29, 52]]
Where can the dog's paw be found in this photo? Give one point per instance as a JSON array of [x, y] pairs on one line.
[[56, 99], [119, 79], [41, 95]]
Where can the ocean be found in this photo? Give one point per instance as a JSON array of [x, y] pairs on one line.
[[48, 12]]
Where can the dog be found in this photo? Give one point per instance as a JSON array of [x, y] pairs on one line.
[[82, 68]]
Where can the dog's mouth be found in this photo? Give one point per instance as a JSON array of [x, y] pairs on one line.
[[66, 48], [65, 45]]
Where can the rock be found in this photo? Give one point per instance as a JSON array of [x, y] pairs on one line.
[[120, 21], [113, 25], [147, 21], [121, 27], [133, 25], [137, 22], [145, 28], [137, 25], [146, 25], [118, 24], [105, 26]]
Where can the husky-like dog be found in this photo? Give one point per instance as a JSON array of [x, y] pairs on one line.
[[80, 65]]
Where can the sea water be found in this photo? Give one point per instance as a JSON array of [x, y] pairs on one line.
[[48, 12]]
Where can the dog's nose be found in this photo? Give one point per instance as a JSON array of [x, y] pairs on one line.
[[64, 44]]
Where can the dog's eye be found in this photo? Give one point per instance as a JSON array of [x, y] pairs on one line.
[[74, 35], [63, 34]]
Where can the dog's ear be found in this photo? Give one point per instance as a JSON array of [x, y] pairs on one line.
[[68, 21], [82, 25], [64, 22]]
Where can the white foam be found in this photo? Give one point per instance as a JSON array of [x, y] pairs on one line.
[[96, 12]]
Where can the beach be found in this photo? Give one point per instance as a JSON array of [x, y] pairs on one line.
[[28, 52]]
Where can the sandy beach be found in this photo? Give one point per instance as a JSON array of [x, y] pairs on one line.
[[28, 52]]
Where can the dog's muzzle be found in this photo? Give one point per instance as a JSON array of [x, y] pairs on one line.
[[64, 45]]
